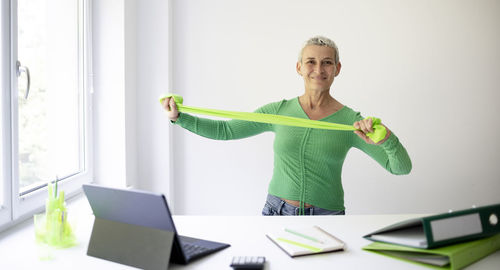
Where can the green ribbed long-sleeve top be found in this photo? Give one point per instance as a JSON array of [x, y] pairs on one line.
[[307, 162]]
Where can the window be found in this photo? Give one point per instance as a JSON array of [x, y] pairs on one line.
[[5, 199], [48, 128]]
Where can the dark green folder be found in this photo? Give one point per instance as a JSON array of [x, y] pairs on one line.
[[442, 229], [452, 257]]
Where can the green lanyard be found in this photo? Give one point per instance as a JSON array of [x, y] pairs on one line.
[[378, 134]]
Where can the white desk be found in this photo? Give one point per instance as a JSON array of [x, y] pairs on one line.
[[246, 234]]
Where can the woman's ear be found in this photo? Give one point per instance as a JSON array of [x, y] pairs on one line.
[[297, 67], [338, 66]]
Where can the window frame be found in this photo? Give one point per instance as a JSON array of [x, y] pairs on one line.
[[19, 207], [6, 205]]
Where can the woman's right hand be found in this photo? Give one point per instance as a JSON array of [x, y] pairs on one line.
[[171, 108]]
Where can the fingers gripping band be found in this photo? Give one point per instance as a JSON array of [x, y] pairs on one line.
[[379, 131], [377, 135]]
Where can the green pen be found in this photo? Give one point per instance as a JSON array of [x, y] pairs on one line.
[[311, 248], [304, 236]]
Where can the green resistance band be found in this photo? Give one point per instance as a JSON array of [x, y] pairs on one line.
[[378, 134]]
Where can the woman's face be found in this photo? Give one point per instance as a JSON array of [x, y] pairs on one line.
[[318, 67]]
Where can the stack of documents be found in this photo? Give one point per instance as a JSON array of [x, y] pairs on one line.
[[445, 241]]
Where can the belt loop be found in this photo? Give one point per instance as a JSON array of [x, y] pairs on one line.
[[280, 207]]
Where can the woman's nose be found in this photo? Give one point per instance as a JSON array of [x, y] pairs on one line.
[[318, 69]]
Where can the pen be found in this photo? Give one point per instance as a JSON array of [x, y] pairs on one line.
[[304, 236]]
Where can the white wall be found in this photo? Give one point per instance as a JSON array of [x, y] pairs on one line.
[[131, 70], [108, 33], [428, 68], [153, 80]]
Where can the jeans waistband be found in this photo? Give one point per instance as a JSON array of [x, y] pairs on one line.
[[283, 208]]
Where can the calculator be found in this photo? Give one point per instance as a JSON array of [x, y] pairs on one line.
[[248, 262]]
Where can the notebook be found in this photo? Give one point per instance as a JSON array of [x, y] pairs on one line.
[[136, 228], [305, 241]]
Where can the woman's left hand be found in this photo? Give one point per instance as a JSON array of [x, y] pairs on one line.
[[366, 126]]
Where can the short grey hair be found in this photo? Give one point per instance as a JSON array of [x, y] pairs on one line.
[[321, 41]]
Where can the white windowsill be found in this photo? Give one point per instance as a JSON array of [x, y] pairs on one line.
[[23, 251]]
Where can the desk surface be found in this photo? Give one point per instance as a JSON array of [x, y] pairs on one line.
[[246, 234]]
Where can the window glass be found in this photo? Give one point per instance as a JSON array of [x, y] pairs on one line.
[[50, 112]]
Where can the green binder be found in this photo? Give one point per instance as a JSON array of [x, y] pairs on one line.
[[449, 257], [443, 229]]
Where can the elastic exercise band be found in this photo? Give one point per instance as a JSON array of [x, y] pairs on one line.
[[378, 134]]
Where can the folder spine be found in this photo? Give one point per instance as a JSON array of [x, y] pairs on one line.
[[468, 224]]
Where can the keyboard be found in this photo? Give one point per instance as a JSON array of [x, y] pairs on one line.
[[192, 250]]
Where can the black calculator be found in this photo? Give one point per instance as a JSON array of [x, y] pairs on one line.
[[248, 262]]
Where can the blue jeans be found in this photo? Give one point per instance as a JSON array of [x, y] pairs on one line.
[[277, 207]]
